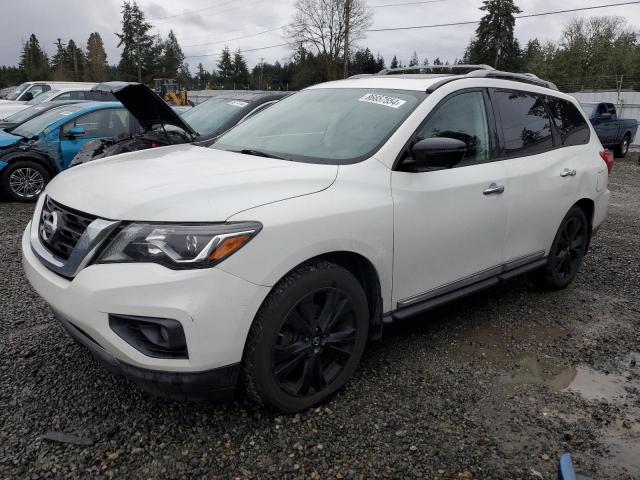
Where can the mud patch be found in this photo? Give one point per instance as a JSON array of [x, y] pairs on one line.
[[535, 370]]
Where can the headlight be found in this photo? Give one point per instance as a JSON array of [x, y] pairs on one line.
[[178, 246]]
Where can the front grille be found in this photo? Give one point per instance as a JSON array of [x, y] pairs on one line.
[[61, 227]]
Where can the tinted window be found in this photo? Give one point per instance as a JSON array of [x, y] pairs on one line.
[[569, 121], [602, 108], [525, 123], [462, 117], [101, 123]]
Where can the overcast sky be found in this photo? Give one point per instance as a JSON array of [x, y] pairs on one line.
[[221, 22]]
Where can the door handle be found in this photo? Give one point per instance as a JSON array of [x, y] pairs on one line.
[[494, 189], [568, 172]]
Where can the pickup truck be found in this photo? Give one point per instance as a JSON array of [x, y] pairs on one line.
[[614, 133]]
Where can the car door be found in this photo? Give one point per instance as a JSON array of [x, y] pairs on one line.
[[449, 224], [97, 125], [542, 184], [606, 124]]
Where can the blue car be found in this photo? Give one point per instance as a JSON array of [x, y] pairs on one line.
[[33, 152]]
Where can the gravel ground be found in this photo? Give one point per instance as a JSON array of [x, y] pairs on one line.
[[495, 386]]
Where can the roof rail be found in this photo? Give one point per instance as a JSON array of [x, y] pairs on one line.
[[453, 69], [516, 77]]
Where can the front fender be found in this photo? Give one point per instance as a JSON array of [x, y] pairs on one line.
[[354, 215]]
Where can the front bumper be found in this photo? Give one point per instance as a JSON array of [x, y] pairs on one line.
[[218, 383], [214, 308]]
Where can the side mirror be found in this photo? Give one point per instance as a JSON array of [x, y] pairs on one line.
[[438, 152], [74, 132], [605, 116], [27, 97]]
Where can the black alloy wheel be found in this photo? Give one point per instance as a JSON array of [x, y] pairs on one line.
[[570, 248], [565, 256], [315, 342], [307, 339]]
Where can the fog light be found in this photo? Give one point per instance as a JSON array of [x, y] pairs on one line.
[[154, 337]]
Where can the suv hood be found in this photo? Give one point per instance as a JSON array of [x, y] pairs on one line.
[[184, 183], [144, 104]]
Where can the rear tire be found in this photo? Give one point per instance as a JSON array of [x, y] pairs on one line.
[[566, 253], [24, 180], [621, 150], [307, 338]]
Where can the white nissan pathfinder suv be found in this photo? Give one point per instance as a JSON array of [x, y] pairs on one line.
[[268, 260]]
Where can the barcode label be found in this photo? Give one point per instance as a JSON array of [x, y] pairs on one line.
[[382, 100]]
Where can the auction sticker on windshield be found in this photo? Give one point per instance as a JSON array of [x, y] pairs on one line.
[[382, 100], [237, 103]]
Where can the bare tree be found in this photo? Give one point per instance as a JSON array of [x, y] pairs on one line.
[[321, 25]]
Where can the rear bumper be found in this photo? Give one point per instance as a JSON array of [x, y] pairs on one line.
[[213, 384]]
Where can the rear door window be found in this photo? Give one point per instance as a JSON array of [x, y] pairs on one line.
[[526, 125], [101, 123], [569, 121]]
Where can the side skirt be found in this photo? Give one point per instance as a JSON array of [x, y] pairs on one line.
[[463, 288]]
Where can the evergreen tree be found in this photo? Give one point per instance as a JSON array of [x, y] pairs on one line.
[[59, 62], [379, 62], [96, 59], [494, 43], [184, 76], [425, 62], [202, 78], [394, 62], [364, 62], [33, 61], [437, 61], [414, 62], [225, 67], [75, 61], [172, 57], [240, 70], [137, 44]]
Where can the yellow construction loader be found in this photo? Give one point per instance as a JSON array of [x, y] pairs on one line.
[[171, 92]]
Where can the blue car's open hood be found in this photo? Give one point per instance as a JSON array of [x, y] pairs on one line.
[[6, 139]]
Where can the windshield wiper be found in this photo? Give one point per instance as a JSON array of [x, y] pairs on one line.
[[260, 153]]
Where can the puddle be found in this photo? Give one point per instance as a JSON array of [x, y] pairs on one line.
[[594, 385], [534, 370], [621, 437]]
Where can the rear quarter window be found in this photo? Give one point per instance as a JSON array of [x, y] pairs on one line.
[[526, 125], [569, 121]]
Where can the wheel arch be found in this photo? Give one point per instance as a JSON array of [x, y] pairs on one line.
[[31, 157], [588, 207], [367, 275]]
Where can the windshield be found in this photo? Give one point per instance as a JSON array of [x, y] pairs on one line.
[[18, 91], [38, 124], [25, 114], [330, 125], [43, 97], [211, 116]]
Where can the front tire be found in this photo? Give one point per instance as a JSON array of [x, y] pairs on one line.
[[566, 253], [24, 180], [307, 338]]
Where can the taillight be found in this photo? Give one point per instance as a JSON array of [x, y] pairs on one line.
[[607, 156]]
